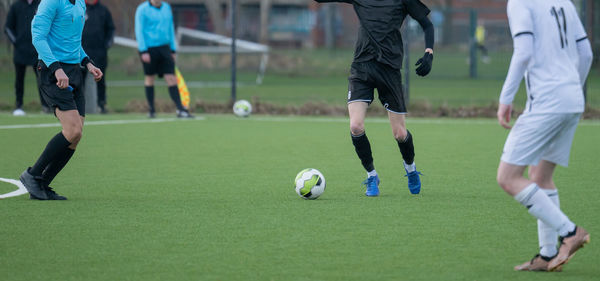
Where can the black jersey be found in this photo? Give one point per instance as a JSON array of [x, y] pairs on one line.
[[98, 31], [18, 30], [379, 35]]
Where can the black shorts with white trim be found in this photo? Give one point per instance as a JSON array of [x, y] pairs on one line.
[[367, 76]]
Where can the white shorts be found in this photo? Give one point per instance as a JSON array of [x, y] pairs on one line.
[[536, 137]]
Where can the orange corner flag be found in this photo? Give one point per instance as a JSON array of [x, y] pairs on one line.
[[184, 93]]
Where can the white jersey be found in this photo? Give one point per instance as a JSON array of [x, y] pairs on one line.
[[552, 77]]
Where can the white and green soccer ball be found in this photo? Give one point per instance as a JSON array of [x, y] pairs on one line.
[[310, 183], [242, 108]]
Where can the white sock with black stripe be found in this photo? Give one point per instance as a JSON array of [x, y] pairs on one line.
[[547, 236], [541, 207]]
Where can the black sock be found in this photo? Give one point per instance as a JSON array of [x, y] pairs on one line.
[[407, 149], [57, 165], [174, 93], [55, 147], [363, 150], [150, 97]]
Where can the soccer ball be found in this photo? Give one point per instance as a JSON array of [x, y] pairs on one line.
[[310, 183], [242, 108]]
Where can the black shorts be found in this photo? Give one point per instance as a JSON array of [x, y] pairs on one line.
[[56, 97], [161, 61], [370, 75]]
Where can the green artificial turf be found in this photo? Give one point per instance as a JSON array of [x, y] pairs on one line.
[[213, 199]]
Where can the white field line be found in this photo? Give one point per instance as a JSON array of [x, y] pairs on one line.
[[20, 191], [96, 123], [372, 120], [465, 121], [264, 118]]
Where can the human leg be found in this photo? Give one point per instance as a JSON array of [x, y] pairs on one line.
[[357, 112], [69, 108], [403, 137], [54, 167], [541, 174], [101, 91], [171, 81], [32, 178], [405, 144], [149, 88], [19, 88], [510, 178], [55, 156]]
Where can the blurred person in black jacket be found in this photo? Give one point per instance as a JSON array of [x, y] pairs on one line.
[[98, 34], [18, 31]]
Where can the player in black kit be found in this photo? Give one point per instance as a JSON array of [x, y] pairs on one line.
[[377, 63]]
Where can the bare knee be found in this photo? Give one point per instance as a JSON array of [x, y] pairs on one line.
[[357, 128], [504, 180], [73, 133], [541, 177], [149, 80], [400, 134], [171, 80]]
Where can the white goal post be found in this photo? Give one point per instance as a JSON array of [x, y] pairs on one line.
[[242, 46]]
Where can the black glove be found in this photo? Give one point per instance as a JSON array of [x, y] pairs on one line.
[[424, 64]]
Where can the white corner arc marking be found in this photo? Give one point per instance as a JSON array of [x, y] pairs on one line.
[[15, 193]]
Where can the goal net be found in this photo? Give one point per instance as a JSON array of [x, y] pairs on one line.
[[212, 44]]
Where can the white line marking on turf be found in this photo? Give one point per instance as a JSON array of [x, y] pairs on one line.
[[375, 120], [96, 123], [15, 193], [466, 121]]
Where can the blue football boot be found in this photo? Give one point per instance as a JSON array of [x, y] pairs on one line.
[[372, 184], [414, 181]]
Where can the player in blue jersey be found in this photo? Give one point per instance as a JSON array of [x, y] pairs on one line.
[[56, 34], [155, 34]]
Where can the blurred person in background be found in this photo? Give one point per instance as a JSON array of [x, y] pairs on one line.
[[155, 34], [480, 40], [97, 38], [18, 31]]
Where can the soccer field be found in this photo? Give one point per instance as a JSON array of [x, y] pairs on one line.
[[213, 199]]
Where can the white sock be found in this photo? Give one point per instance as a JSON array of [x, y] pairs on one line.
[[372, 173], [547, 236], [541, 207], [410, 168]]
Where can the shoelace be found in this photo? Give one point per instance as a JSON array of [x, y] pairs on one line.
[[418, 173], [50, 190], [369, 180]]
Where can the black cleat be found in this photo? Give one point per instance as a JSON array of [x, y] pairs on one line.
[[151, 114], [33, 186], [52, 195]]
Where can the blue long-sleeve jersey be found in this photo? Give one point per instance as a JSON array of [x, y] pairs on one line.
[[56, 31], [154, 26]]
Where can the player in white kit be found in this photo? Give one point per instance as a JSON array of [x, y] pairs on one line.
[[552, 52]]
